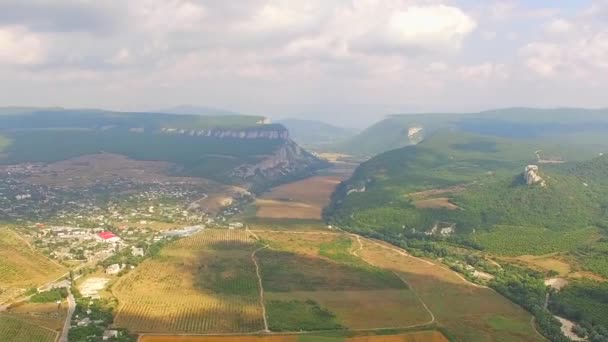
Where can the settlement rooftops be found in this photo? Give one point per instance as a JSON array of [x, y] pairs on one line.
[[108, 237]]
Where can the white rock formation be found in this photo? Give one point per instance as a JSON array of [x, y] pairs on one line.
[[532, 177]]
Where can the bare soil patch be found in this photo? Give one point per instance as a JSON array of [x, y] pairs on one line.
[[436, 203], [303, 199]]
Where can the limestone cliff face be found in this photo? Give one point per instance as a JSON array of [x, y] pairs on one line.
[[287, 162], [415, 134], [234, 133], [532, 176]]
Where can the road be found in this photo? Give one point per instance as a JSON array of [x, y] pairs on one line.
[[68, 320]]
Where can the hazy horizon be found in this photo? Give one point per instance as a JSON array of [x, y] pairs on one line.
[[350, 62]]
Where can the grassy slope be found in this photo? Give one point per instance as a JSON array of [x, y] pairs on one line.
[[21, 267]]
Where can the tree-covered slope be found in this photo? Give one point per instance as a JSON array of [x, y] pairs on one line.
[[459, 184], [567, 126], [229, 149]]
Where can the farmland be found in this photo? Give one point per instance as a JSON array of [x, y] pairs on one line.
[[303, 199], [21, 267], [319, 269], [15, 329], [422, 336], [468, 312], [202, 284]]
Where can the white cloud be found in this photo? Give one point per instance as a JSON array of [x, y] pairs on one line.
[[558, 26], [430, 27], [20, 47]]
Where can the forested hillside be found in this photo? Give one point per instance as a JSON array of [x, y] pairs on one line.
[[230, 149], [470, 185], [566, 127]]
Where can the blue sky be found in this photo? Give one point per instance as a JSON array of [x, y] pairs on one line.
[[347, 61]]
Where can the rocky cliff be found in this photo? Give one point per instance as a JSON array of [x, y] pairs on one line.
[[532, 176], [263, 132], [288, 162]]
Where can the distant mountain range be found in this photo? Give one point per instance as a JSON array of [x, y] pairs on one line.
[[314, 133], [395, 131], [196, 110]]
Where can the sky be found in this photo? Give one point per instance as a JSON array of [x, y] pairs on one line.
[[342, 61]]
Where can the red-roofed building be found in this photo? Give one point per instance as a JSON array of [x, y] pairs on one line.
[[108, 237]]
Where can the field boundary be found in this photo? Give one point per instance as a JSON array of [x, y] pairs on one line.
[[261, 286], [354, 253]]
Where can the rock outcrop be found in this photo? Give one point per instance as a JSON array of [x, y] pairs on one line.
[[415, 134], [532, 176], [287, 162]]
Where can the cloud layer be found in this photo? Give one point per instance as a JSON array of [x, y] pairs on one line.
[[356, 59]]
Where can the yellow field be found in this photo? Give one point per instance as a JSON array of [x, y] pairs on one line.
[[469, 312], [303, 199], [16, 330], [21, 267], [423, 336], [174, 292], [46, 315]]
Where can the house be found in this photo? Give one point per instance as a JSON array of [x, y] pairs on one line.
[[110, 334], [108, 237], [113, 269], [137, 251]]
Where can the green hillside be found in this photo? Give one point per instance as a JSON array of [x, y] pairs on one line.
[[203, 146], [477, 189], [462, 198], [562, 126]]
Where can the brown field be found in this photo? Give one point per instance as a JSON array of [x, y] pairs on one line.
[[436, 203], [549, 262], [85, 170], [303, 199], [21, 267], [183, 290], [469, 312], [305, 243], [423, 336], [435, 192]]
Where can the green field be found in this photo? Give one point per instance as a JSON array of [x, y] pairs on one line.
[[16, 330]]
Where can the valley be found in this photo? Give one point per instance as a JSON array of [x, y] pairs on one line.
[[244, 235]]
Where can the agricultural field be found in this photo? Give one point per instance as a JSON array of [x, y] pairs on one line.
[[47, 315], [466, 311], [317, 274], [422, 336], [21, 267], [205, 283], [303, 199], [16, 330]]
